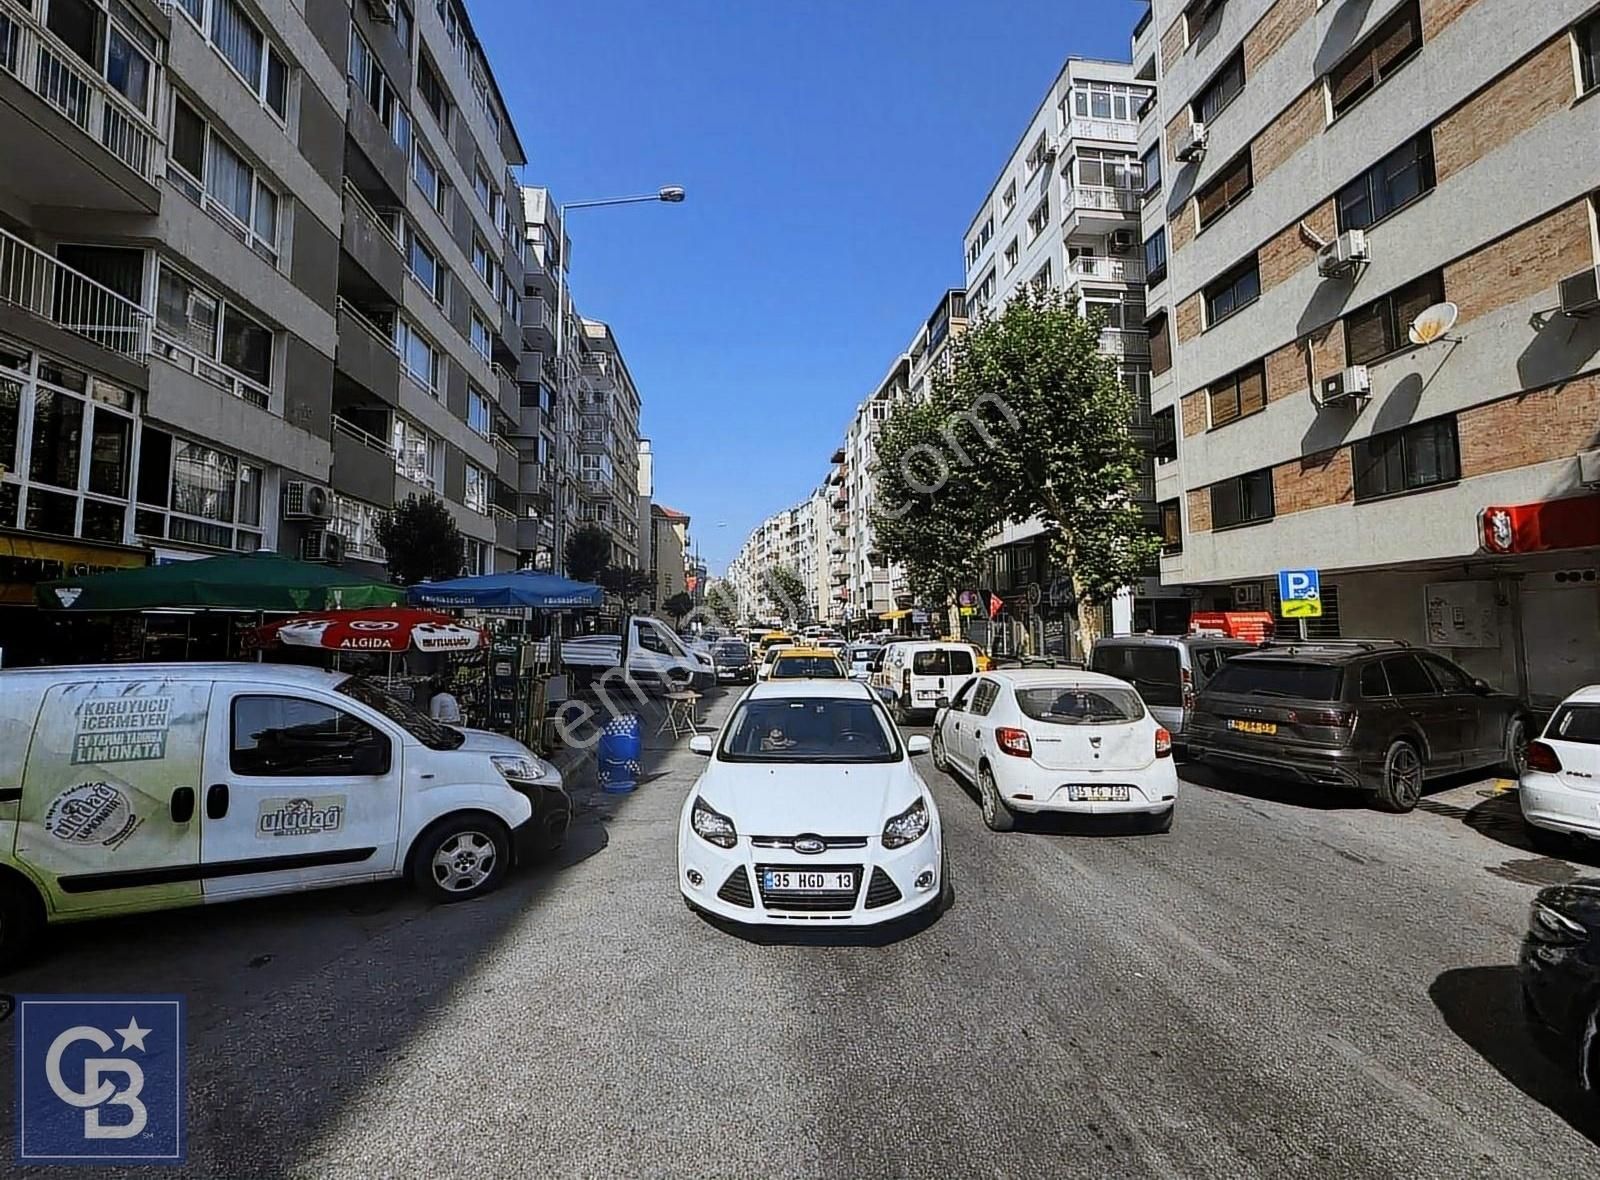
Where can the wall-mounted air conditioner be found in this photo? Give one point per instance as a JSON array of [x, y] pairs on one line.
[[324, 546], [1580, 293], [1344, 255], [1190, 146], [306, 501], [1352, 384]]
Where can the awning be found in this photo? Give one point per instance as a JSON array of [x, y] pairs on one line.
[[523, 588], [243, 581], [384, 629], [27, 559], [890, 615]]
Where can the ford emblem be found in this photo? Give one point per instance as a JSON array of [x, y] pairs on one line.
[[809, 845]]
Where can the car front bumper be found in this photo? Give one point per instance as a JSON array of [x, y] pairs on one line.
[[1029, 787], [1547, 802], [546, 829], [1553, 984]]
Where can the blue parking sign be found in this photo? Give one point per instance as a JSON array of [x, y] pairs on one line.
[[100, 1080], [1299, 594]]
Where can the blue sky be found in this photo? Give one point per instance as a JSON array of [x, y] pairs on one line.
[[834, 152]]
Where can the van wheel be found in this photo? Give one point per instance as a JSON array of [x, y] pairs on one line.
[[1400, 787], [461, 857], [996, 814], [21, 919]]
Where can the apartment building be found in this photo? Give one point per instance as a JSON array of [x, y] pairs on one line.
[[545, 495], [1320, 177], [608, 443], [668, 555]]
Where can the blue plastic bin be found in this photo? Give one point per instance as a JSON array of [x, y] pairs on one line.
[[618, 755]]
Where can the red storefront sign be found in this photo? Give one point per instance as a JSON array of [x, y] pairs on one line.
[[1549, 524], [1253, 626]]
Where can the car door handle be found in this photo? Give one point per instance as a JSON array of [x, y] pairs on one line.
[[216, 800], [183, 805]]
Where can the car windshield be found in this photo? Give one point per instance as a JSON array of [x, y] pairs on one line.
[[1151, 668], [1074, 704], [1576, 723], [792, 667], [732, 652], [431, 733], [942, 661], [861, 655], [809, 729], [1278, 678]]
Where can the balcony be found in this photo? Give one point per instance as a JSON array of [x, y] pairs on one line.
[[40, 285], [1124, 342], [1104, 130], [112, 159], [363, 464], [534, 533], [388, 162], [366, 354], [1107, 269], [538, 326], [505, 527], [1098, 210], [510, 394], [507, 461], [372, 241]]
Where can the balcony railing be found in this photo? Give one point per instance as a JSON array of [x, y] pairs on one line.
[[390, 226], [31, 53], [181, 356], [1104, 129], [360, 318], [53, 291], [365, 437], [1116, 270], [1102, 200], [1122, 342]]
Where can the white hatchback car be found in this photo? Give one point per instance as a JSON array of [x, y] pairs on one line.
[[1057, 740], [810, 811], [1560, 789]]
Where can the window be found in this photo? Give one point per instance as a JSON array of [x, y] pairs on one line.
[[426, 173], [1239, 394], [480, 336], [984, 292], [421, 359], [1155, 257], [288, 737], [1244, 499], [1008, 200], [1424, 455], [1406, 676], [1171, 527], [481, 185], [357, 522], [196, 494], [942, 661], [241, 43], [1099, 168], [1237, 289], [416, 453], [1165, 447], [1225, 190], [1450, 679], [1392, 183], [1039, 219], [424, 264], [1383, 326], [192, 323], [1037, 154], [1040, 283], [1115, 309], [1201, 15], [1223, 88], [218, 179], [433, 95], [1151, 163], [985, 232], [1588, 37], [1011, 255], [984, 697], [1160, 343], [1375, 59], [479, 483], [1107, 100], [369, 78], [477, 410], [131, 51], [1152, 669], [403, 25], [1374, 684]]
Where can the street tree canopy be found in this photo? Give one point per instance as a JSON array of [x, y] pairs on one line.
[[721, 605], [788, 593], [678, 605], [588, 551], [421, 541]]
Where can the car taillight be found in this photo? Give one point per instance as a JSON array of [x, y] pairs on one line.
[[1186, 682], [1013, 741], [1544, 758], [905, 682], [1163, 743], [1330, 718]]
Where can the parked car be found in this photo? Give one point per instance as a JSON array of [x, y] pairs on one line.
[[806, 663], [1560, 786], [862, 656], [810, 810], [1374, 715], [734, 662], [134, 787], [1037, 740], [1168, 670], [1560, 970], [920, 672]]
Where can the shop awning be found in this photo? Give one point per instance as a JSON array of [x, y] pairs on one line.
[[27, 559], [245, 581], [523, 588], [384, 629]]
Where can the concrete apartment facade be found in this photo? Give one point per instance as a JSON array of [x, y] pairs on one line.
[[259, 282], [1441, 489], [669, 548]]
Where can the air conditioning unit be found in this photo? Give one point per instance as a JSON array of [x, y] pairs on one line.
[[1352, 384], [306, 501], [381, 11], [1580, 293], [1122, 241], [1341, 257], [324, 546], [1190, 147], [1200, 12], [1589, 468]]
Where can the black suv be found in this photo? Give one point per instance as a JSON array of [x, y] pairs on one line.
[[733, 661], [1376, 715]]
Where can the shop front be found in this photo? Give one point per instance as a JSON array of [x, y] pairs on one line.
[[26, 560]]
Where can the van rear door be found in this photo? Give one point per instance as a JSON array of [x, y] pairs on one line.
[[108, 819]]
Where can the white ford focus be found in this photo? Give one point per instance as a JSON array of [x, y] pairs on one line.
[[810, 811], [1057, 740]]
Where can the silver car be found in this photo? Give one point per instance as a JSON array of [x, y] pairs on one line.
[[1168, 670]]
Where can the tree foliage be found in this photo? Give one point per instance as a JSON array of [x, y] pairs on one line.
[[421, 540], [588, 551], [678, 605], [626, 582], [788, 593], [721, 605]]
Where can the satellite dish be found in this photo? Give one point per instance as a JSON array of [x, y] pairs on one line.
[[1433, 323]]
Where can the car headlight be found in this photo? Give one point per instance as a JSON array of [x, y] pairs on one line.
[[1548, 924], [910, 825], [711, 825], [519, 768]]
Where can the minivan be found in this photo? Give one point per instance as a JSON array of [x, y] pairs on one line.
[[135, 787], [1168, 670], [918, 675]]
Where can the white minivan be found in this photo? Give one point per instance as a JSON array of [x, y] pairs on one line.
[[133, 787], [921, 673]]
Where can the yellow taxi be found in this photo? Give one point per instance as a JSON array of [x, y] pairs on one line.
[[807, 663]]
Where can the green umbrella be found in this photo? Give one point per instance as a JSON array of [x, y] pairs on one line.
[[247, 581]]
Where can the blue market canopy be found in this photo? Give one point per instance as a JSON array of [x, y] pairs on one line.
[[523, 588]]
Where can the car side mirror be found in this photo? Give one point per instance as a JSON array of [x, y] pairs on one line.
[[702, 744], [1481, 686], [918, 743], [943, 702]]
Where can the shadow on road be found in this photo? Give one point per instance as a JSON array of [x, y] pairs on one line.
[[1483, 1006], [1268, 790], [1499, 818]]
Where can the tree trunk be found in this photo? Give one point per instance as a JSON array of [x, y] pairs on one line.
[[1090, 619]]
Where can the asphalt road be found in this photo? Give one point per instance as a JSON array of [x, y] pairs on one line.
[[1286, 985]]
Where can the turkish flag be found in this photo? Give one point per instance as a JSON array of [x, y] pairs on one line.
[[996, 604]]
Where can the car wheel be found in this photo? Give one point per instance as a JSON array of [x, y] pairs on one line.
[[940, 759], [1516, 752], [21, 919], [1160, 822], [1546, 841], [1400, 788], [462, 857], [996, 814]]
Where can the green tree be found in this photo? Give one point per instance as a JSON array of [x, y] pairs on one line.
[[588, 551], [786, 589], [421, 540], [721, 606], [678, 605], [626, 582]]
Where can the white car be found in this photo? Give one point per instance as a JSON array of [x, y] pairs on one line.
[[1057, 740], [810, 811], [1560, 789]]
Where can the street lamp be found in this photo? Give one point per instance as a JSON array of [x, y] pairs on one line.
[[671, 194]]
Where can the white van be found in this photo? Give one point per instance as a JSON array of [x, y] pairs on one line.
[[131, 787], [920, 673]]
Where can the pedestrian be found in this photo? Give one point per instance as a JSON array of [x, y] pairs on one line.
[[442, 705]]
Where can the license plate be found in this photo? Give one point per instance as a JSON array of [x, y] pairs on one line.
[[1098, 793], [795, 881], [1268, 727], [928, 694]]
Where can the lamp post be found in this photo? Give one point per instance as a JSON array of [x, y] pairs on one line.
[[671, 194]]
